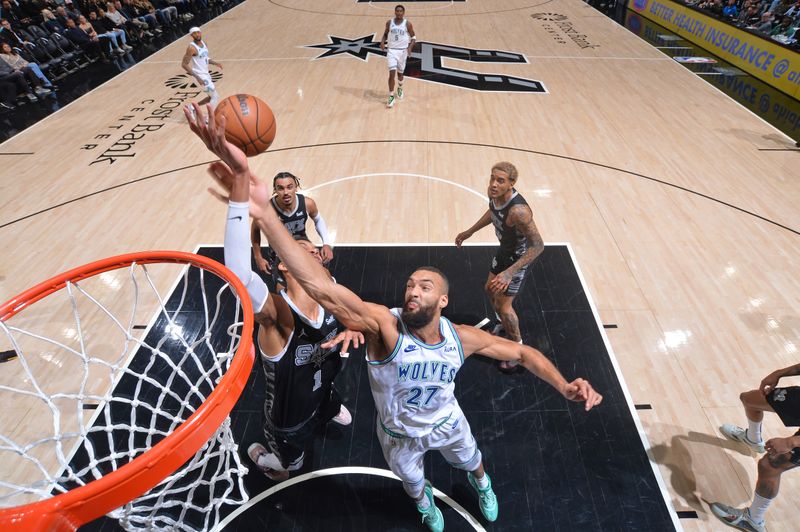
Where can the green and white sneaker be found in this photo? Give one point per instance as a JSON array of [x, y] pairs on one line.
[[399, 92], [486, 498], [390, 103], [431, 516], [736, 518]]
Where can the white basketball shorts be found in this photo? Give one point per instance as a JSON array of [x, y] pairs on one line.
[[453, 439], [396, 58]]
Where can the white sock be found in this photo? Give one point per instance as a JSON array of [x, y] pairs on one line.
[[424, 503], [482, 482], [759, 507], [754, 431]]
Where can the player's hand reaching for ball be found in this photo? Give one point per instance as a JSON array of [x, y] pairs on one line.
[[212, 133], [580, 390]]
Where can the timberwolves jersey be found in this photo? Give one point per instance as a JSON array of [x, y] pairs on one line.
[[512, 242], [200, 61], [299, 378], [398, 35], [413, 387], [295, 221]]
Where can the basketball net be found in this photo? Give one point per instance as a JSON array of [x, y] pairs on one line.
[[94, 408]]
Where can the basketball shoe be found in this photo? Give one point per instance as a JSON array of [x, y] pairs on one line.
[[431, 516], [732, 432], [390, 103], [399, 92], [343, 417], [267, 463], [737, 518], [486, 497]]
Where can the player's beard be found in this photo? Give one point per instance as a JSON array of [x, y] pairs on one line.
[[419, 318]]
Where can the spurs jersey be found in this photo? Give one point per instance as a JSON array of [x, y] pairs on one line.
[[295, 221], [512, 242], [299, 378], [413, 387], [200, 61], [398, 35]]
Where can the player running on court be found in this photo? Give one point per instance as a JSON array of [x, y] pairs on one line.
[[398, 41]]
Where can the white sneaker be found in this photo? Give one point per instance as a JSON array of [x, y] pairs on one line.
[[732, 432], [343, 417], [390, 103], [267, 463], [736, 518], [400, 92]]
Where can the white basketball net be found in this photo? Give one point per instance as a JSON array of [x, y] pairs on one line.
[[93, 387]]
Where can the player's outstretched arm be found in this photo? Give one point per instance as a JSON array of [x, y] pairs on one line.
[[336, 299], [482, 222], [240, 185], [477, 341]]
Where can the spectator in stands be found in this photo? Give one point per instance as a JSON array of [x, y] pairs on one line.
[[9, 35], [106, 29], [71, 10], [12, 13], [794, 13], [765, 25], [16, 61], [750, 15], [132, 12], [51, 22], [784, 32], [31, 10], [731, 10], [88, 43], [134, 28], [17, 77], [168, 13], [62, 16]]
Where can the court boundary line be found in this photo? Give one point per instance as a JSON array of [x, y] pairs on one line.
[[345, 470], [624, 386], [276, 4]]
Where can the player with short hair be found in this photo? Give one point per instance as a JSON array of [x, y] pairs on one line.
[[294, 210], [520, 244], [782, 455], [399, 38], [196, 61], [299, 366], [413, 352]]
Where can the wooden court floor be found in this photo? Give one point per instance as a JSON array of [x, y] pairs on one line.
[[680, 205]]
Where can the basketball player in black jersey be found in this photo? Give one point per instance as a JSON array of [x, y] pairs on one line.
[[294, 210], [298, 370], [520, 244]]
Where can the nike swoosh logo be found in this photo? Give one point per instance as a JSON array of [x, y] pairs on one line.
[[235, 218]]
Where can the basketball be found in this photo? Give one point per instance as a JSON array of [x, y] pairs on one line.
[[250, 124]]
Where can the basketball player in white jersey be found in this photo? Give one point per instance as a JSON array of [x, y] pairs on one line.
[[399, 38], [413, 352], [294, 209], [196, 61]]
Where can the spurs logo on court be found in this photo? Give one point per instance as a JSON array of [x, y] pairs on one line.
[[425, 63], [186, 81]]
